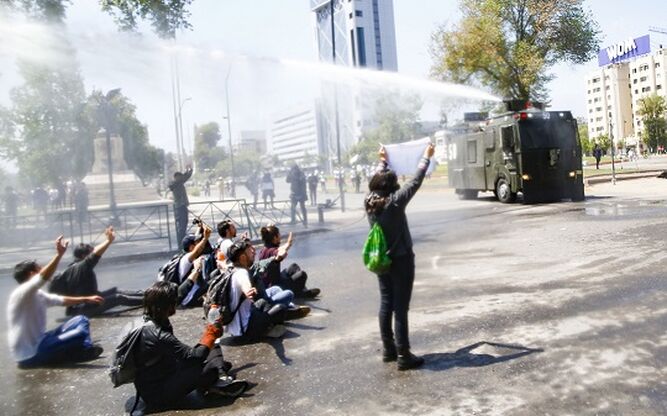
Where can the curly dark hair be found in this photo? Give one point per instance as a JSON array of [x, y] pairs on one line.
[[381, 186]]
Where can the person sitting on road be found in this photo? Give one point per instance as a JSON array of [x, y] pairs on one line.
[[194, 246], [292, 278], [258, 309], [167, 369], [29, 342], [79, 279]]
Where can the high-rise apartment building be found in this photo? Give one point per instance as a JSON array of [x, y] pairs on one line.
[[628, 72], [355, 33]]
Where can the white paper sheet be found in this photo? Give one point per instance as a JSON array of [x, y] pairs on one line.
[[404, 157]]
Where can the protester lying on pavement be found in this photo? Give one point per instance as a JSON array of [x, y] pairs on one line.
[[292, 278], [29, 342], [79, 279], [167, 369]]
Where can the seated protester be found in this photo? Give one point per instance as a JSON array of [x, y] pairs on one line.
[[227, 232], [257, 309], [30, 343], [79, 279], [167, 369], [292, 278], [194, 247]]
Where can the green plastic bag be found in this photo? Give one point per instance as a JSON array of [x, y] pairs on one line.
[[375, 251]]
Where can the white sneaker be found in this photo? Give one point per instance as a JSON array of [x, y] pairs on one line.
[[277, 331]]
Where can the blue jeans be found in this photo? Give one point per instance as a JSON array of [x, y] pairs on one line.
[[280, 296], [62, 344]]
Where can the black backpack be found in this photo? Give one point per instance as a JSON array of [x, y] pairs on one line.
[[123, 368], [219, 293], [169, 271]]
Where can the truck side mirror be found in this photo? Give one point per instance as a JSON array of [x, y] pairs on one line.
[[507, 137]]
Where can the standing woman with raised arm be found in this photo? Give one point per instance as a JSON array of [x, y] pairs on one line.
[[385, 204]]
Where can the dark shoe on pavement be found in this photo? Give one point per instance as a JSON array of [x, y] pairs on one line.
[[90, 354], [409, 361], [389, 353], [309, 293], [226, 386], [297, 312]]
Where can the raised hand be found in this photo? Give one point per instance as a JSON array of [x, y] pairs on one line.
[[429, 151], [383, 154], [61, 245], [110, 234]]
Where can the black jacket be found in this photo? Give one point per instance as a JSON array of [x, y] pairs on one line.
[[160, 355], [392, 218]]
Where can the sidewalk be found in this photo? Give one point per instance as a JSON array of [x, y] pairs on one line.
[[159, 248]]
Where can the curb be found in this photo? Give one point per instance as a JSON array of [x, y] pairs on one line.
[[621, 177]]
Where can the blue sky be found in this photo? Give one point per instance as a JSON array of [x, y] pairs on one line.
[[282, 29]]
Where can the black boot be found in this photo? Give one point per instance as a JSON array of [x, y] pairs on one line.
[[407, 360], [389, 353]]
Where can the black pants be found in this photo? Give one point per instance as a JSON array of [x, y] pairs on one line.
[[181, 219], [191, 375], [304, 214], [293, 278], [313, 196], [263, 316], [112, 298], [395, 294]]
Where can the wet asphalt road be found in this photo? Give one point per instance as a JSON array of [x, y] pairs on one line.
[[545, 309]]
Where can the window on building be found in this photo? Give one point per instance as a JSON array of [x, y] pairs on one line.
[[590, 101], [636, 91], [589, 91], [643, 79], [596, 80], [657, 64], [607, 88], [358, 13], [658, 87], [598, 108], [590, 111], [351, 15], [634, 81], [606, 77], [634, 70]]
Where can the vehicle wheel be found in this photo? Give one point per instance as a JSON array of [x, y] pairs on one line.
[[468, 194], [504, 191]]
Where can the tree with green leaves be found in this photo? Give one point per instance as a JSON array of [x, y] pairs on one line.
[[396, 120], [143, 158], [166, 16], [604, 142], [586, 144], [207, 153], [46, 131], [510, 45], [653, 109]]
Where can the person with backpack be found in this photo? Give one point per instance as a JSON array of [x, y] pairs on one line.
[[385, 205], [179, 269], [79, 279], [29, 342], [291, 278], [256, 309], [167, 370]]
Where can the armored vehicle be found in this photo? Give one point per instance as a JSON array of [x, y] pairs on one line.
[[524, 150]]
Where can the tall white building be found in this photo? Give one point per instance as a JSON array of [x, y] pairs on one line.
[[357, 33], [629, 71], [294, 137]]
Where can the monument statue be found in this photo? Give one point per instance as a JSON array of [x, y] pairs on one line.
[[117, 158]]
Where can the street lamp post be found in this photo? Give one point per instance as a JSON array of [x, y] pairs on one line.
[[229, 133], [179, 138], [105, 104], [613, 162], [341, 181]]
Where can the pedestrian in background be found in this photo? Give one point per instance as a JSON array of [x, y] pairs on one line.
[[181, 202], [297, 180], [385, 204], [313, 179], [597, 154], [267, 186]]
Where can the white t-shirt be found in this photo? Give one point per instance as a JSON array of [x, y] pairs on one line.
[[184, 267], [26, 312], [240, 281]]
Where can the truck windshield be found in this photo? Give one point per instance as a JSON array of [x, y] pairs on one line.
[[554, 132]]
